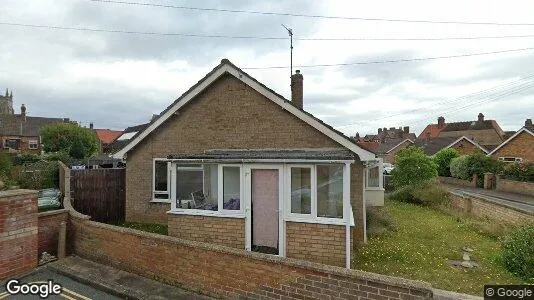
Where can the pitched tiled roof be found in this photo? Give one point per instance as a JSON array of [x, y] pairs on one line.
[[319, 154], [430, 131], [369, 146], [508, 134], [18, 125], [119, 143], [471, 125], [107, 136], [432, 145]]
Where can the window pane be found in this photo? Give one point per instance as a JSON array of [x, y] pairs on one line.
[[330, 191], [196, 188], [300, 190], [373, 177], [163, 196], [231, 188], [160, 182]]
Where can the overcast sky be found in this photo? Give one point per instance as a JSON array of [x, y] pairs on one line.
[[118, 80]]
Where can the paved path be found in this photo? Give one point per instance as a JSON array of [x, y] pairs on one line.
[[118, 282], [71, 289], [517, 201]]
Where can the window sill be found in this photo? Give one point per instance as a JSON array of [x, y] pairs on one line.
[[374, 189], [160, 201], [208, 213], [327, 221]]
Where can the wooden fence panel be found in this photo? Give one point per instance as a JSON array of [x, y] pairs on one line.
[[99, 193]]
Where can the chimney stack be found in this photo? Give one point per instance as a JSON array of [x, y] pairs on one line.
[[379, 130], [392, 128], [406, 129], [441, 122], [480, 117], [91, 125], [297, 89], [528, 123], [23, 110]]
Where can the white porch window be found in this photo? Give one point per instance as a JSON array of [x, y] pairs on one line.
[[372, 177], [160, 181], [330, 191], [231, 188], [197, 187], [301, 190]]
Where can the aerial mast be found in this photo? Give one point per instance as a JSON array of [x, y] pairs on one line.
[[290, 32]]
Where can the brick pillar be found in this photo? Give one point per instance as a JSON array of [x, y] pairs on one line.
[[488, 180], [474, 181], [18, 232]]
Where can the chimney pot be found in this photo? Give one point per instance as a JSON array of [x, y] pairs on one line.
[[297, 89], [379, 130], [480, 117], [441, 122], [23, 110], [406, 129], [391, 128], [91, 125], [528, 122]]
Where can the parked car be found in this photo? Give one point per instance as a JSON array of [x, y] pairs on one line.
[[388, 168]]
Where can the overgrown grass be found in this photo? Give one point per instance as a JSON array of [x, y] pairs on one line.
[[425, 238], [148, 227]]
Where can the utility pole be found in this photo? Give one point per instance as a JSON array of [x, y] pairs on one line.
[[290, 31]]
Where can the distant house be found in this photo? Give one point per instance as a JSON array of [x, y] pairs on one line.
[[22, 133], [486, 133], [124, 138], [106, 137], [463, 145], [387, 143], [518, 147]]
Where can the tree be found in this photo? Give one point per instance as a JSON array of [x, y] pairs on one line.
[[443, 160], [413, 167], [70, 138]]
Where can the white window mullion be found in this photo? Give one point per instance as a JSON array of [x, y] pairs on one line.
[[313, 191], [220, 188], [173, 192]]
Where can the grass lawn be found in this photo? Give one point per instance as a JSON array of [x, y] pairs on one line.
[[422, 241], [148, 227]]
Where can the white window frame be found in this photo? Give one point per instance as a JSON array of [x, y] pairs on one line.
[[220, 212], [154, 192], [380, 174], [313, 218], [515, 159], [313, 189], [33, 142]]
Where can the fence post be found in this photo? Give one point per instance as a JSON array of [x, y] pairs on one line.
[[62, 240]]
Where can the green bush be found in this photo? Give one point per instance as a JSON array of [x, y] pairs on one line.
[[379, 221], [479, 164], [5, 164], [459, 168], [443, 160], [428, 193], [40, 175], [518, 252], [413, 166], [20, 159], [519, 172], [403, 194]]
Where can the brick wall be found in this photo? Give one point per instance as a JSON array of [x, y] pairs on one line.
[[227, 115], [18, 232], [465, 148], [49, 225], [456, 181], [231, 273], [512, 186], [481, 207], [228, 232], [319, 243], [390, 157], [521, 146]]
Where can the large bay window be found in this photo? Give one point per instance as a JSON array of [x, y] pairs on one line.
[[316, 191]]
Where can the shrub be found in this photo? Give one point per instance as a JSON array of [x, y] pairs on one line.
[[20, 159], [459, 168], [379, 221], [5, 164], [518, 252], [519, 172], [403, 194], [480, 164], [443, 160], [428, 193], [413, 166], [40, 175]]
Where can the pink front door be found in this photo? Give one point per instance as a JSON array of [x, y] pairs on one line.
[[265, 210]]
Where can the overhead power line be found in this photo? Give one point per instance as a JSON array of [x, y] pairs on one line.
[[269, 13], [524, 81], [392, 60], [223, 36]]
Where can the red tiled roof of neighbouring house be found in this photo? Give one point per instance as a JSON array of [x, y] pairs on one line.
[[107, 136], [431, 131]]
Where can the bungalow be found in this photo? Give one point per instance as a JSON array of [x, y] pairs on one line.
[[518, 147], [231, 162]]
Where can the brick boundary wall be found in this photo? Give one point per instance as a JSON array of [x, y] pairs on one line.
[[481, 207], [456, 181], [226, 272], [18, 232], [512, 186], [228, 232], [49, 223]]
